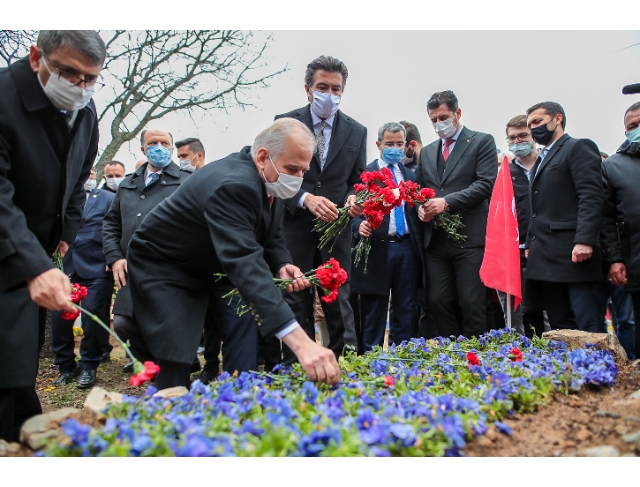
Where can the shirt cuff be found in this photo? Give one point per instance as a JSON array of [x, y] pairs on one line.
[[287, 329], [301, 200]]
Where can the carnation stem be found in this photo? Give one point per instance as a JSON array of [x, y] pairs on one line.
[[108, 328]]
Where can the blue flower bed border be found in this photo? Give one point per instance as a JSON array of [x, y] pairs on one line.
[[420, 398]]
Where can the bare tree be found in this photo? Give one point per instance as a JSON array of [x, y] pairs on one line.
[[157, 72], [15, 44]]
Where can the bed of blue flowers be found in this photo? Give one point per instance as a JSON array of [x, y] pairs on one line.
[[421, 398]]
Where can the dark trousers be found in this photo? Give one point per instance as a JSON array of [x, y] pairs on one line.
[[127, 329], [622, 315], [338, 314], [635, 299], [16, 406], [212, 342], [451, 272], [573, 306], [355, 300], [403, 267], [95, 340]]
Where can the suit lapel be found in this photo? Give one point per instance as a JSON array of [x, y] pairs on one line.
[[304, 115], [339, 132], [431, 164], [462, 144], [90, 202], [552, 152]]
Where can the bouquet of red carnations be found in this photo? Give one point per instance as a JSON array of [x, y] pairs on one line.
[[78, 293], [450, 222], [377, 195], [328, 277]]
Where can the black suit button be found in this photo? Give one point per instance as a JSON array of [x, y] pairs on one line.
[[442, 189], [319, 184], [139, 214], [164, 182], [535, 192], [533, 216], [142, 196]]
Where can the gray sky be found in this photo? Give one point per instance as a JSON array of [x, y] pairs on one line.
[[495, 75]]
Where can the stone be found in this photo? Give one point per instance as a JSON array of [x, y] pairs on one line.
[[579, 339], [634, 395], [99, 399], [621, 429], [568, 444], [583, 435], [484, 442], [599, 451], [607, 414], [9, 449], [491, 434], [632, 437], [172, 392], [39, 430]]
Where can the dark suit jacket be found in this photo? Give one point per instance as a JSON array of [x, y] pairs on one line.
[[346, 159], [218, 221], [132, 203], [376, 280], [85, 257], [43, 167], [467, 182], [567, 201], [521, 193]]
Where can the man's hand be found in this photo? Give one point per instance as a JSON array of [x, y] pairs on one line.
[[424, 215], [63, 248], [321, 207], [119, 269], [618, 274], [365, 229], [435, 206], [355, 210], [581, 253], [319, 362], [526, 253], [51, 290], [290, 271]]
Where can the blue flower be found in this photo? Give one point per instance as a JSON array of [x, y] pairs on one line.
[[503, 428]]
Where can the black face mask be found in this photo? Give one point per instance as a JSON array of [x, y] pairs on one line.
[[542, 135], [409, 153]]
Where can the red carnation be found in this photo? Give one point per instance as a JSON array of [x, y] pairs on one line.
[[473, 359], [359, 187], [70, 315], [515, 355], [331, 297], [427, 193], [330, 275], [388, 381], [149, 372]]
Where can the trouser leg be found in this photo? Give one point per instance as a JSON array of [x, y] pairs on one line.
[[97, 302], [127, 329], [585, 302]]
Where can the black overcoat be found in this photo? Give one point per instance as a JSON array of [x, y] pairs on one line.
[[218, 221], [376, 279], [621, 229], [467, 182], [566, 209], [133, 202], [43, 167]]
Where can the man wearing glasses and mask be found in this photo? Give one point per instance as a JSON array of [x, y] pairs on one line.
[[48, 144]]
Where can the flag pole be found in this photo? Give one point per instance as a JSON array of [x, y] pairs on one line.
[[509, 310]]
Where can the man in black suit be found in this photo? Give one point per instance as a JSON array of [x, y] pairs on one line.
[[395, 263], [224, 219], [461, 167], [336, 166], [48, 144], [85, 264], [563, 242]]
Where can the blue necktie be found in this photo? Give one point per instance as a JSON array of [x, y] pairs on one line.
[[398, 212], [154, 177]]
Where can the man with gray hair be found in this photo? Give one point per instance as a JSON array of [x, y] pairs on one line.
[[225, 218], [396, 249], [48, 144]]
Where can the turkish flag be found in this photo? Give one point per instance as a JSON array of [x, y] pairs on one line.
[[501, 264]]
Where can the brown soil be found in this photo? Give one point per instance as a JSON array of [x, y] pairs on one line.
[[591, 418]]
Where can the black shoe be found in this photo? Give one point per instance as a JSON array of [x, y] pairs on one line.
[[87, 379], [195, 366], [106, 357], [67, 377], [128, 369], [206, 376]]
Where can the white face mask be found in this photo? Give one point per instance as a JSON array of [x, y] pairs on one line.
[[445, 129], [285, 187], [63, 94], [185, 164], [113, 183], [325, 105], [89, 184]]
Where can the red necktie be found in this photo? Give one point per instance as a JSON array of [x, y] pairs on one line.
[[447, 144]]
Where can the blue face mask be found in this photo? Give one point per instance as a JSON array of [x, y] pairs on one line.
[[392, 155], [633, 135], [523, 149], [158, 156]]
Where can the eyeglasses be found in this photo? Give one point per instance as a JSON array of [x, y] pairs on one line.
[[523, 137], [91, 82]]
